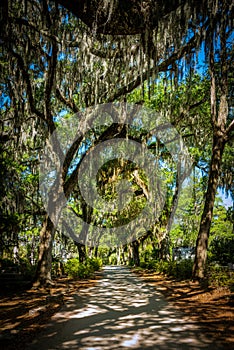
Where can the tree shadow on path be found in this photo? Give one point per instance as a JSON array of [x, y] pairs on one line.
[[121, 312]]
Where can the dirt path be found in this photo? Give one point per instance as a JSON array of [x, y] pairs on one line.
[[121, 312]]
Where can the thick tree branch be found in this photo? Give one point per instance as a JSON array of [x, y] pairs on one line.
[[124, 17], [27, 23], [50, 79], [69, 103], [230, 128], [114, 130], [161, 67], [27, 80]]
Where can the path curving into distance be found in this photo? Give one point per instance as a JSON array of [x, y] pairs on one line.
[[120, 312]]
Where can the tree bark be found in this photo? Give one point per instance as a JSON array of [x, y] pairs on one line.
[[43, 272], [135, 253], [96, 252], [55, 205], [166, 219], [164, 248], [81, 251], [219, 114], [121, 17], [219, 141]]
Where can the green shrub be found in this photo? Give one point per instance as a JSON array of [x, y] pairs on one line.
[[6, 263], [75, 269], [71, 267], [23, 267], [180, 270], [146, 254], [84, 271], [27, 270], [221, 250], [143, 264], [112, 259], [131, 263], [218, 276], [94, 263], [163, 266]]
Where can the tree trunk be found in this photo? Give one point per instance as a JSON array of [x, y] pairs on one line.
[[130, 255], [204, 230], [135, 251], [219, 114], [96, 252], [119, 256], [164, 248], [43, 272], [166, 219], [81, 245], [81, 251]]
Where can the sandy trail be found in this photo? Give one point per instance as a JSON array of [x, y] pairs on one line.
[[120, 312]]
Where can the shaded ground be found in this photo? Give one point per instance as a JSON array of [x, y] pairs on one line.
[[212, 308], [207, 315], [23, 313]]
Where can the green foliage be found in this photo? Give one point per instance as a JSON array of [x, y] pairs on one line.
[[94, 263], [146, 253], [103, 252], [74, 269], [222, 250], [112, 259], [71, 267], [216, 275], [26, 269], [84, 271], [23, 267], [185, 101], [5, 263], [219, 276], [180, 270], [187, 217], [221, 247]]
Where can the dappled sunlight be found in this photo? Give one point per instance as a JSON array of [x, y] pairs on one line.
[[120, 312], [89, 311]]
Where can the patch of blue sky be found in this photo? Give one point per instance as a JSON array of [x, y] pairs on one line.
[[38, 72], [57, 118], [226, 198], [151, 140], [201, 66], [65, 19], [82, 150], [76, 161], [5, 101], [71, 57], [73, 165], [61, 56]]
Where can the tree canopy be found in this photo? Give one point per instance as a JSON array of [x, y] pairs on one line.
[[58, 58]]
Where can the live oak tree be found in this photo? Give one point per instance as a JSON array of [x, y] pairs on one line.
[[143, 18], [20, 204], [222, 125], [187, 103], [56, 61]]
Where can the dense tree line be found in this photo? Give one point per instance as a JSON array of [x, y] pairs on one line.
[[59, 58]]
